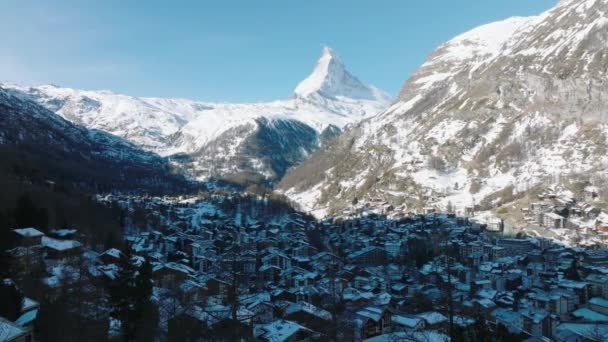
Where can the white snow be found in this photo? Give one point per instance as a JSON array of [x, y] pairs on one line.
[[331, 79], [8, 330], [59, 245], [329, 96]]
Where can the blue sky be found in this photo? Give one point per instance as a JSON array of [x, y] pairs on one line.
[[228, 50]]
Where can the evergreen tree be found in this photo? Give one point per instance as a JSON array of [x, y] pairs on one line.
[[130, 299], [11, 299], [186, 328], [146, 312], [28, 215], [53, 323], [7, 241], [572, 272]]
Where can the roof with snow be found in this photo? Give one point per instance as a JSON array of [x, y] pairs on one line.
[[433, 317], [278, 331], [407, 321], [599, 302], [308, 308], [9, 330], [59, 245], [29, 232]]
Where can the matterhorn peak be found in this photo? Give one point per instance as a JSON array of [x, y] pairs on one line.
[[330, 79]]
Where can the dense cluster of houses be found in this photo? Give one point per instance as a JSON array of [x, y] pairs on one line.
[[573, 221], [34, 246], [364, 275]]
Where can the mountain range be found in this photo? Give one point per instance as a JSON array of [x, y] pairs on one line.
[[244, 143], [492, 115]]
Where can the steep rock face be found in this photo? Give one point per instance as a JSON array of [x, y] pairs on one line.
[[491, 114], [218, 140]]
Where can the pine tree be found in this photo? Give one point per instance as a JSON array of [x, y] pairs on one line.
[[146, 312], [28, 215], [131, 299], [7, 241], [11, 299], [122, 293]]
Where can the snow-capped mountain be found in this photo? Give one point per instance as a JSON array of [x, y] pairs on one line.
[[491, 114], [253, 140], [330, 79]]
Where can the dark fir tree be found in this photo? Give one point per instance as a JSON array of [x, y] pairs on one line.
[[27, 214], [130, 299], [11, 299]]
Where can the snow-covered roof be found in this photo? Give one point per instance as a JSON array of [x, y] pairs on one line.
[[414, 336], [27, 318], [278, 331], [308, 308], [599, 302], [432, 317], [372, 313], [59, 245], [9, 330], [29, 232], [407, 321], [590, 315], [28, 304], [112, 252]]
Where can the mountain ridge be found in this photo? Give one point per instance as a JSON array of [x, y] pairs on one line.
[[483, 120], [178, 127]]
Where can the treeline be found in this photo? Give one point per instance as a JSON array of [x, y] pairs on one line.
[[30, 199]]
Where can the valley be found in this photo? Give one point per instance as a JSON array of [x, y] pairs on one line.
[[470, 207]]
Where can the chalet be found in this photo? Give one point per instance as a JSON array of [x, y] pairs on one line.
[[193, 291], [308, 315], [393, 248], [29, 236], [598, 285], [60, 249], [399, 289], [581, 289], [270, 273], [279, 260], [536, 322], [111, 256], [407, 323], [170, 275], [282, 331], [553, 220], [263, 311], [433, 319], [372, 321], [217, 287]]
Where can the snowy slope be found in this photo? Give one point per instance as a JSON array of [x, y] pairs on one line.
[[489, 115], [330, 97]]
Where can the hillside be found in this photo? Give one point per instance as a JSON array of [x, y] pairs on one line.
[[489, 115]]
